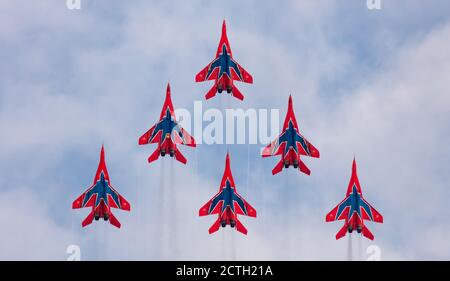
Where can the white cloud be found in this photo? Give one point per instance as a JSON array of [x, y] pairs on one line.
[[28, 231], [106, 88]]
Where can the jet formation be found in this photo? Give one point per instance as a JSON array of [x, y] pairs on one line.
[[227, 204]]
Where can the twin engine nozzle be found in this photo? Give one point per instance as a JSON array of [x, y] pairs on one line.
[[232, 223], [358, 229], [171, 152]]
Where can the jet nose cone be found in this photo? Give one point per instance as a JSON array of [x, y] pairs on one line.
[[224, 26]]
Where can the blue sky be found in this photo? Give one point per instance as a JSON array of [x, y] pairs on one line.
[[368, 83]]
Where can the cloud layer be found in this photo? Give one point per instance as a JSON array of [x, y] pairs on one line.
[[373, 84]]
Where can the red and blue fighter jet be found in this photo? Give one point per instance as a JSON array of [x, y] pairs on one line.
[[101, 197], [227, 204], [167, 133], [290, 145], [224, 70], [354, 209]]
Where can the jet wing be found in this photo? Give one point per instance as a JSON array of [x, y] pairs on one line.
[[304, 147], [181, 136], [369, 212], [340, 212], [150, 137], [115, 197], [242, 207], [115, 200], [78, 203], [274, 148], [213, 206], [239, 73], [207, 74]]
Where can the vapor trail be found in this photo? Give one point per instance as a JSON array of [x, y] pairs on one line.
[[233, 245], [172, 204], [359, 247], [349, 248], [161, 207], [137, 208], [290, 214], [223, 246]]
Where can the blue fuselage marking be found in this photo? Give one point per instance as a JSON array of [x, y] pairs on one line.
[[102, 189], [228, 196], [355, 202], [224, 62], [291, 137]]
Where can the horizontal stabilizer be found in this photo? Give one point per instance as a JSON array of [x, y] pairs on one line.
[[88, 220], [237, 94], [154, 156], [211, 93], [278, 168], [113, 220], [180, 157], [302, 167], [366, 232], [240, 227], [341, 232], [215, 226]]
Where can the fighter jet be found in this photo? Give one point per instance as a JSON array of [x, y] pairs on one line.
[[167, 133], [227, 204], [224, 70], [354, 209], [101, 197], [290, 145]]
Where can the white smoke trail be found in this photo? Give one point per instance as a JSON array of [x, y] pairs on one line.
[[248, 168], [360, 247], [349, 248], [233, 246], [161, 209], [138, 207], [100, 239], [135, 211], [290, 215], [223, 244], [172, 204]]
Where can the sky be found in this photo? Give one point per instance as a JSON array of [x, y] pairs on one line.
[[370, 84]]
